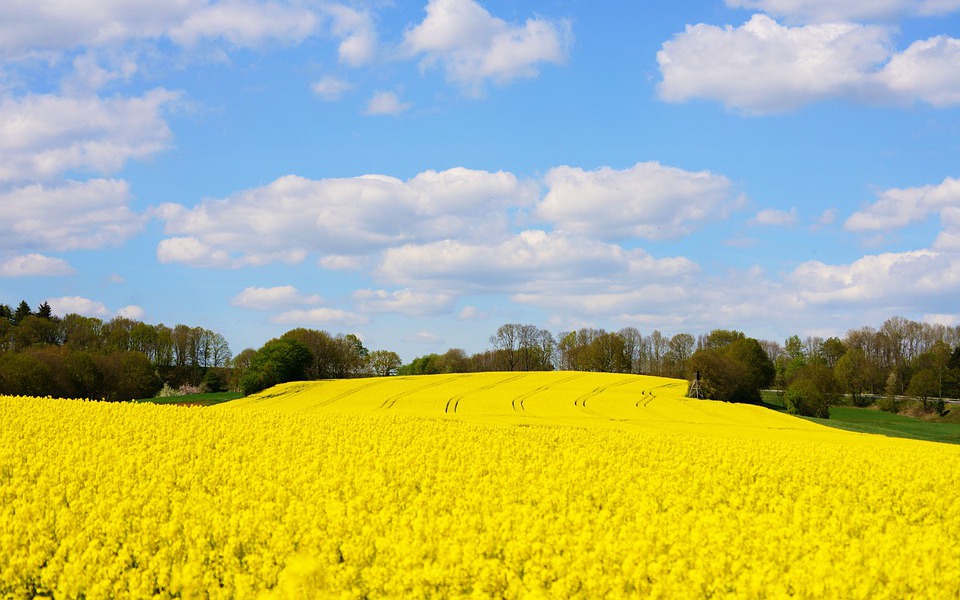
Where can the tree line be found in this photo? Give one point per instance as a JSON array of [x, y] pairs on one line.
[[120, 359], [900, 360], [75, 356]]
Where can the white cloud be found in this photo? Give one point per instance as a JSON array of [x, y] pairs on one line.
[[350, 217], [42, 136], [827, 217], [34, 265], [648, 200], [386, 103], [339, 262], [357, 33], [331, 88], [191, 251], [775, 217], [404, 302], [89, 75], [473, 46], [423, 337], [529, 261], [898, 207], [764, 67], [927, 70], [56, 25], [133, 312], [245, 23], [472, 313], [71, 216], [76, 304], [883, 279], [319, 316], [273, 298], [848, 10]]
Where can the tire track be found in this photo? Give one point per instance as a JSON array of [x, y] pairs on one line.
[[390, 401], [455, 400], [352, 391], [582, 400], [542, 388]]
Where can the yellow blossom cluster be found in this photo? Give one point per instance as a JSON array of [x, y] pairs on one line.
[[598, 486]]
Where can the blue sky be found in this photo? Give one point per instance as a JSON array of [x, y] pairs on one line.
[[419, 173]]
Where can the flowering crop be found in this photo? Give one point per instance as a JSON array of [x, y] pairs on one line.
[[492, 485]]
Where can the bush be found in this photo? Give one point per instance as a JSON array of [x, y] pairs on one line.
[[890, 404], [213, 381], [278, 361], [812, 392]]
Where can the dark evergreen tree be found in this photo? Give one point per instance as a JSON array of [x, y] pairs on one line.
[[23, 311], [44, 311]]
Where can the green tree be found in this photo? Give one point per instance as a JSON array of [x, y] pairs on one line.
[[832, 351], [277, 361], [23, 311], [811, 392], [44, 311], [25, 375], [852, 374], [128, 375], [924, 385], [384, 362], [735, 372]]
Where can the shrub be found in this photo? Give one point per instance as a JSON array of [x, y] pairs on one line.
[[890, 404]]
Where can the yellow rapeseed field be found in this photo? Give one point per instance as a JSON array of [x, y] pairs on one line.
[[550, 485]]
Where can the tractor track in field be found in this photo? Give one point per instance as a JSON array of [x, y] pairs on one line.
[[352, 391], [647, 396], [542, 388], [455, 400], [581, 401], [392, 400]]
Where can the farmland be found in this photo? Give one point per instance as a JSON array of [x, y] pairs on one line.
[[485, 485]]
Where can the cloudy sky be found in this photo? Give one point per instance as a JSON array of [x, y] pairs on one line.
[[419, 173]]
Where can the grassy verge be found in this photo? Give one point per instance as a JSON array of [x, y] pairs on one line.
[[195, 399], [871, 420]]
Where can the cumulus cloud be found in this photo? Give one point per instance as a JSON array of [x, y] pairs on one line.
[[423, 337], [65, 305], [349, 217], [472, 46], [403, 302], [764, 67], [827, 217], [134, 312], [273, 298], [34, 265], [898, 207], [191, 251], [42, 136], [357, 33], [848, 10], [530, 260], [64, 24], [339, 262], [386, 103], [887, 279], [926, 70], [71, 216], [331, 88], [472, 313], [244, 23], [648, 200], [320, 316], [775, 217]]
